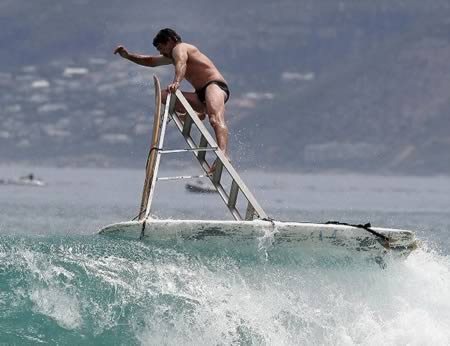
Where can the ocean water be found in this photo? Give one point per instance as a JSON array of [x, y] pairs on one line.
[[61, 283]]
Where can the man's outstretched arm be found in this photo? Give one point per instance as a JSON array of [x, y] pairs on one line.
[[144, 60]]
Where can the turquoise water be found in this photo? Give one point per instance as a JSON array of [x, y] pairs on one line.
[[60, 283]]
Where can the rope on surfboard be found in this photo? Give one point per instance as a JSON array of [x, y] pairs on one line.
[[366, 227]]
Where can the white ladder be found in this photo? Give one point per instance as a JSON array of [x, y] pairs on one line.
[[206, 144]]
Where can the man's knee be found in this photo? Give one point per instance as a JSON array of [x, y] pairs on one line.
[[212, 121], [216, 122]]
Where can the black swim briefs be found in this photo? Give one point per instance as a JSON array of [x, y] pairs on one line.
[[201, 92]]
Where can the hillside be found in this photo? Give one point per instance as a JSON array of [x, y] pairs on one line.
[[315, 85]]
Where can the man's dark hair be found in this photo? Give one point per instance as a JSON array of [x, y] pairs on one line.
[[164, 35]]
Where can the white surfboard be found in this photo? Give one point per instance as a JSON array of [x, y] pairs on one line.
[[296, 233]]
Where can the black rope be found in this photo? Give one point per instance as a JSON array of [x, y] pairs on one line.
[[151, 149], [272, 221], [269, 219], [365, 227], [138, 215]]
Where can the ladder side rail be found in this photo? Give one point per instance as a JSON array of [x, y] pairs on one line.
[[170, 102], [216, 178], [234, 175]]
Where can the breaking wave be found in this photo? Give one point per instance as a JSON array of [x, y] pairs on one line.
[[94, 289]]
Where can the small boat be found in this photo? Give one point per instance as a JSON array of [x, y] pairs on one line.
[[200, 187], [28, 180]]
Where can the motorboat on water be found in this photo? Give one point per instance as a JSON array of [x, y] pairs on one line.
[[199, 186], [27, 180]]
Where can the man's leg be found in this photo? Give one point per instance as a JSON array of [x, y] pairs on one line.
[[215, 108], [193, 100]]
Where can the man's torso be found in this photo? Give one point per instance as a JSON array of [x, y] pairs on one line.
[[199, 68]]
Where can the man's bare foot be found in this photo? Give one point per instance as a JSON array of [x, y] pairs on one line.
[[213, 167], [181, 116]]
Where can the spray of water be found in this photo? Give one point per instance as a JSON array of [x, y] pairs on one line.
[[100, 290]]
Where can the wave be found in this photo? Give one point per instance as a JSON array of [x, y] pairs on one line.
[[94, 289]]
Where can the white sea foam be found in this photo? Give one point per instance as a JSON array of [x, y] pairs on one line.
[[58, 305], [48, 294], [314, 306], [266, 241]]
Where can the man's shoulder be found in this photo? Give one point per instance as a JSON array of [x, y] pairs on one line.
[[187, 46]]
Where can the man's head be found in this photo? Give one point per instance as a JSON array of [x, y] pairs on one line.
[[165, 40]]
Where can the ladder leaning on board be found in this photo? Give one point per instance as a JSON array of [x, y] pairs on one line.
[[199, 147]]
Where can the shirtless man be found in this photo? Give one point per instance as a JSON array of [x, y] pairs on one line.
[[211, 91]]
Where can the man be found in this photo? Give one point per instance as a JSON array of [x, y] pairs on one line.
[[211, 90]]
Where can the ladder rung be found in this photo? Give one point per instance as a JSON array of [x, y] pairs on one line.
[[186, 150], [233, 195], [217, 172], [225, 197], [203, 144], [250, 212], [187, 126], [182, 177]]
